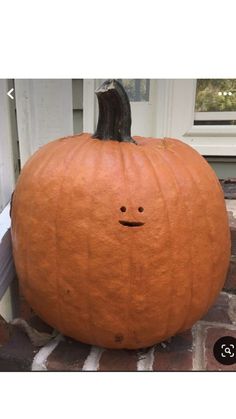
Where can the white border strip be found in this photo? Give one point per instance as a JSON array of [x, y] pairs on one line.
[[39, 361]]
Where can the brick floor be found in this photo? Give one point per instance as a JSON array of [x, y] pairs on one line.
[[119, 360], [175, 355], [219, 312], [212, 335], [68, 356]]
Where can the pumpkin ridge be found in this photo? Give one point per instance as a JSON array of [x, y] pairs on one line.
[[134, 156], [78, 157], [149, 158], [130, 155], [210, 175], [208, 222], [170, 167], [92, 195], [70, 156], [129, 296], [39, 169]]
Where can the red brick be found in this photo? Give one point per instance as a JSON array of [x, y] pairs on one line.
[[68, 356], [219, 311], [212, 335], [4, 331], [118, 360], [230, 283], [177, 355]]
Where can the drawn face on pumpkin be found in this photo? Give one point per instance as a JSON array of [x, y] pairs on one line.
[[130, 223]]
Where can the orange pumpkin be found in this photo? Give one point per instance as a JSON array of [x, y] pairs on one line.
[[119, 242]]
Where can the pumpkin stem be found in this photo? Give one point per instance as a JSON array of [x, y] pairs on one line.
[[114, 121]]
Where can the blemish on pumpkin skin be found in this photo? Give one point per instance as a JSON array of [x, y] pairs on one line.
[[119, 338], [165, 144]]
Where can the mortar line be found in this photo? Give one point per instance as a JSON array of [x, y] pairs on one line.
[[40, 359]]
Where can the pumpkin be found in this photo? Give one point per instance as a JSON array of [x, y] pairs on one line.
[[119, 242]]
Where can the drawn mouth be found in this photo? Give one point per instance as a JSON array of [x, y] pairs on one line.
[[131, 223]]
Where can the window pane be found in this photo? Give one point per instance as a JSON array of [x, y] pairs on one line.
[[137, 89], [215, 95]]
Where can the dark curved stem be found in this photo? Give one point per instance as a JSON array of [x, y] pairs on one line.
[[114, 121]]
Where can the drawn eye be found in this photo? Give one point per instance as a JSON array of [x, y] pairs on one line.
[[141, 209], [123, 209]]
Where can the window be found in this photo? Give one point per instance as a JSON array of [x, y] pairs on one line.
[[178, 109], [215, 102]]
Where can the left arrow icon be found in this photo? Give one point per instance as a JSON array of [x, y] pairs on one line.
[[10, 93]]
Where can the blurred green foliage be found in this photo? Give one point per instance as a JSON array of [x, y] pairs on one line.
[[215, 95]]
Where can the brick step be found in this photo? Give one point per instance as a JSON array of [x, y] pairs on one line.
[[188, 351]]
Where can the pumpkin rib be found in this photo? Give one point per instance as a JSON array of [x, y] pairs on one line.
[[135, 158], [191, 268], [210, 177], [170, 166], [36, 172], [69, 157], [15, 225], [97, 160], [75, 162], [190, 304], [208, 223], [153, 168], [214, 264], [123, 165]]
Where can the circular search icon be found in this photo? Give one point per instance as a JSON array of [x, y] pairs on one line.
[[225, 350]]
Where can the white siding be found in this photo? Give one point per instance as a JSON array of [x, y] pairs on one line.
[[44, 113]]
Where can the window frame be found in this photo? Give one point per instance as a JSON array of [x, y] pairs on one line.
[[176, 104], [215, 116]]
